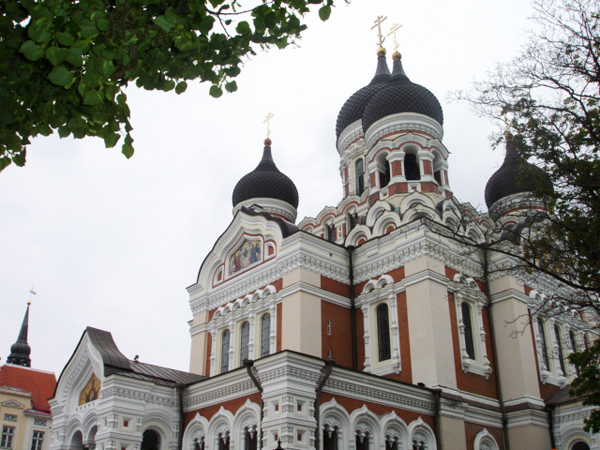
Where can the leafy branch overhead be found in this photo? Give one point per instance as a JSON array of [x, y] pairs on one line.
[[63, 65]]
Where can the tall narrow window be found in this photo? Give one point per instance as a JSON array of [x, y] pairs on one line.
[[330, 438], [573, 347], [544, 344], [7, 437], [559, 343], [265, 331], [383, 167], [360, 177], [199, 444], [225, 351], [362, 440], [411, 167], [224, 441], [468, 324], [244, 341], [383, 332], [150, 440], [330, 232], [391, 442], [37, 440]]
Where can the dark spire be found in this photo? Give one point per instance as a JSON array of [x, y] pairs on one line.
[[398, 74], [20, 350], [382, 70]]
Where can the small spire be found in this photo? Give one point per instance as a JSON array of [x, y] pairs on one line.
[[20, 350]]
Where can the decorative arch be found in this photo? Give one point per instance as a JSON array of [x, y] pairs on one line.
[[335, 417], [376, 211], [365, 425], [358, 235], [395, 432], [422, 435], [378, 283], [153, 438], [87, 426], [196, 430], [220, 427], [246, 424], [573, 436], [384, 221], [485, 441]]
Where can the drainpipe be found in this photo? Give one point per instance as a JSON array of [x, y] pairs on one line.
[[550, 409], [180, 388], [486, 283], [352, 308], [325, 373], [438, 406], [249, 364]]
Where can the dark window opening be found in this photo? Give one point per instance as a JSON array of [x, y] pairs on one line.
[[384, 173], [244, 341], [150, 440], [199, 443], [224, 441], [360, 177], [391, 443], [251, 438], [362, 440], [437, 175], [544, 344], [411, 167], [468, 325], [330, 438], [264, 337], [383, 332], [561, 354], [330, 233], [225, 351]]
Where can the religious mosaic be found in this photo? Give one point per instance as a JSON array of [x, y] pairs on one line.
[[91, 391], [248, 253]]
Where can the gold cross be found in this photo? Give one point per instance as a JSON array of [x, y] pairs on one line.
[[395, 27], [268, 121], [378, 23]]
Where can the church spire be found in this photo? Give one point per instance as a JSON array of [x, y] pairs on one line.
[[20, 350]]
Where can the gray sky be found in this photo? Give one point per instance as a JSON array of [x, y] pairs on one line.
[[113, 243]]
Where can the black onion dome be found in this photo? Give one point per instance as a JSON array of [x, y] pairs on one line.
[[514, 176], [266, 181], [355, 105], [401, 95]]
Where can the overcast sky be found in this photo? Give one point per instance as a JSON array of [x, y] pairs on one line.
[[113, 243]]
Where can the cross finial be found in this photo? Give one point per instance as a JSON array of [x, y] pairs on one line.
[[378, 23], [268, 121], [395, 27]]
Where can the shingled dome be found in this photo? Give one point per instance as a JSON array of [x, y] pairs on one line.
[[266, 181], [515, 176], [354, 107], [401, 95]]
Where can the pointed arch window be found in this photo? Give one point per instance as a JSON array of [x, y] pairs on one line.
[[411, 167], [467, 318], [383, 332], [360, 176], [244, 341], [225, 351], [265, 331]]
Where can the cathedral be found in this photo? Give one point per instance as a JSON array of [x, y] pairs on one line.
[[373, 326]]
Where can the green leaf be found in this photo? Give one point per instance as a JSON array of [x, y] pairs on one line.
[[31, 50], [231, 86], [63, 132], [60, 75], [243, 28], [162, 22], [324, 12], [169, 85], [93, 98], [56, 55], [4, 162], [181, 87], [75, 56], [121, 98], [39, 30], [215, 91], [111, 139], [64, 38], [127, 150]]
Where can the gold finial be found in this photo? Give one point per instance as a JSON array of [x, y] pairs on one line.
[[378, 22], [268, 121], [395, 27]]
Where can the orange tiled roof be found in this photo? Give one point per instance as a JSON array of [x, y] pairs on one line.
[[40, 384]]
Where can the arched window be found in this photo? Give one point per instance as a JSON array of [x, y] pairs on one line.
[[362, 440], [383, 332], [199, 443], [391, 442], [580, 446], [573, 347], [244, 341], [330, 232], [150, 440], [265, 331], [468, 325], [411, 167], [330, 437], [559, 344], [225, 351], [383, 168], [544, 344], [360, 176]]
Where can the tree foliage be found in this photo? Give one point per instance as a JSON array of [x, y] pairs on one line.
[[548, 97], [64, 64]]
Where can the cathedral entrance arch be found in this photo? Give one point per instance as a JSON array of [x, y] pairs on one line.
[[580, 446], [77, 441]]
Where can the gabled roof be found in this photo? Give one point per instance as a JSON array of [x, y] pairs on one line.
[[39, 383], [116, 363]]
